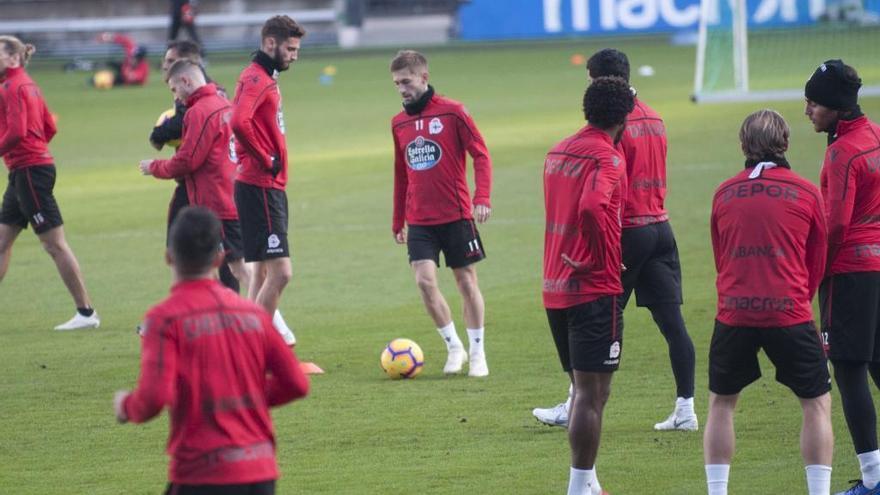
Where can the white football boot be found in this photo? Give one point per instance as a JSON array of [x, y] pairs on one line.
[[679, 420], [553, 416], [285, 331], [477, 366], [79, 322], [455, 359]]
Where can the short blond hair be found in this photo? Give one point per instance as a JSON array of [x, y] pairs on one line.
[[14, 46], [409, 59], [764, 134]]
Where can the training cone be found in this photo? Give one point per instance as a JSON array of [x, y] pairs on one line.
[[311, 369]]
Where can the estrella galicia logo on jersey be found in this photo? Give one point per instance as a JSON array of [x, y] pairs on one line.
[[435, 126], [423, 154]]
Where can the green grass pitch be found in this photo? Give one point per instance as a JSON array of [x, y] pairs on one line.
[[359, 433]]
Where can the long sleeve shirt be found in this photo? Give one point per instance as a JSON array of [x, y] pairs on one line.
[[584, 190], [203, 160], [215, 360], [769, 241], [26, 126], [258, 124], [850, 181], [643, 145], [430, 174]]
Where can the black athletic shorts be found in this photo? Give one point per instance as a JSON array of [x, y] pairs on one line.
[[460, 242], [29, 199], [261, 488], [589, 336], [179, 201], [232, 243], [262, 213], [850, 309], [652, 267], [797, 352]]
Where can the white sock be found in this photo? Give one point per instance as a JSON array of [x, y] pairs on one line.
[[684, 407], [818, 479], [716, 478], [475, 340], [285, 331], [870, 464], [579, 481], [595, 487], [450, 336]]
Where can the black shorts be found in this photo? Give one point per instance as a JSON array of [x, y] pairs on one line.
[[652, 267], [261, 488], [232, 243], [29, 199], [849, 304], [179, 201], [460, 242], [589, 336], [797, 352], [262, 213]]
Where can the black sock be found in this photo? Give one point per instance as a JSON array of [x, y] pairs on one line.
[[858, 406], [85, 311], [228, 279], [681, 348]]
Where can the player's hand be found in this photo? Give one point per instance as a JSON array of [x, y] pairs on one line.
[[481, 213], [105, 37], [622, 268], [276, 165], [145, 167], [577, 266], [118, 400], [400, 237]]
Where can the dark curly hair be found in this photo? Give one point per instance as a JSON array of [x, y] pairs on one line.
[[608, 62], [607, 102]]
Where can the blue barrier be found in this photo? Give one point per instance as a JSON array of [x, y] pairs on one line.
[[511, 19]]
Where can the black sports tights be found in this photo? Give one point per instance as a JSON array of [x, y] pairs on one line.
[[681, 348], [858, 406]]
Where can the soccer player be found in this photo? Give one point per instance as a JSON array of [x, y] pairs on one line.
[[850, 294], [171, 130], [432, 205], [134, 70], [584, 192], [203, 160], [769, 240], [26, 127], [650, 253], [183, 14], [215, 360], [258, 124]]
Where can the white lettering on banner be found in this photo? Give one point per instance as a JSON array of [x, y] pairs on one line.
[[630, 14], [768, 9]]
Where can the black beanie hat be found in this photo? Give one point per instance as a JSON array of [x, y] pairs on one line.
[[830, 87]]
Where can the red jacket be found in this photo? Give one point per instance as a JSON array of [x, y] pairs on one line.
[[584, 189], [203, 160], [430, 174], [850, 180], [643, 144], [258, 124], [132, 70], [26, 126], [217, 362], [768, 235]]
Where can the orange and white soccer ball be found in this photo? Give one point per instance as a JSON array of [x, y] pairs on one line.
[[103, 79], [402, 358]]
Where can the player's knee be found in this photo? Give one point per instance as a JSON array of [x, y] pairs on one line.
[[54, 247], [426, 284]]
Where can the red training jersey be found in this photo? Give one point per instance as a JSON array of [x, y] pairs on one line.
[[430, 174], [643, 145], [258, 124], [850, 181], [26, 126], [768, 236], [203, 160], [584, 190], [216, 360]]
